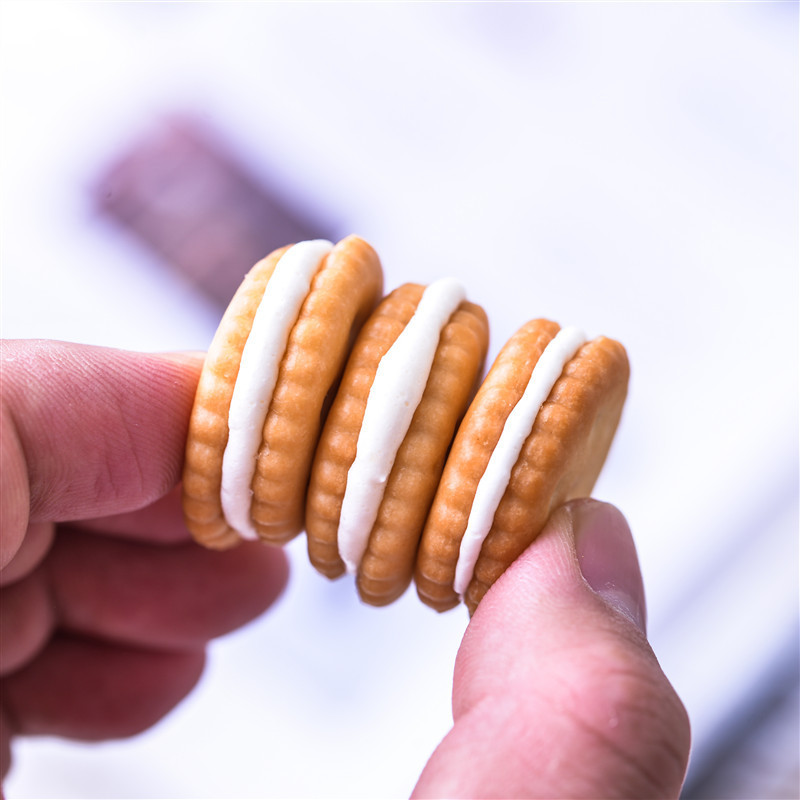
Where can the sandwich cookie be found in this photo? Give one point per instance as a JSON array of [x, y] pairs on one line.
[[535, 436], [408, 382], [268, 377]]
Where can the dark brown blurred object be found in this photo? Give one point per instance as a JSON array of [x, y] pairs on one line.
[[184, 194]]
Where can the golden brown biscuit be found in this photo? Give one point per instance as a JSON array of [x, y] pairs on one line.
[[560, 457], [384, 444], [380, 500], [304, 355]]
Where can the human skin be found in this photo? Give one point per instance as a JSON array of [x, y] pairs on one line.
[[106, 604], [556, 692]]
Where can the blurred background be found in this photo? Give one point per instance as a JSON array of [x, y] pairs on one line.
[[630, 168]]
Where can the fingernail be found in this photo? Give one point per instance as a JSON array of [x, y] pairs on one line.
[[607, 557]]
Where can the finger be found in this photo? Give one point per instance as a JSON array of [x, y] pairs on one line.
[[32, 550], [91, 690], [556, 692], [175, 597], [5, 745], [88, 431], [27, 620], [160, 523]]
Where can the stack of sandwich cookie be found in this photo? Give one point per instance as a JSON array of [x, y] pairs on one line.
[[390, 483]]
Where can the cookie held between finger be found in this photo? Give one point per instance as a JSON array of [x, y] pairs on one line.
[[407, 384], [271, 367], [535, 436], [386, 491]]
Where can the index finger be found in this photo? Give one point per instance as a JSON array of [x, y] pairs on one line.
[[92, 431], [161, 522]]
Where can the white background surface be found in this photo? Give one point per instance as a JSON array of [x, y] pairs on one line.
[[628, 168]]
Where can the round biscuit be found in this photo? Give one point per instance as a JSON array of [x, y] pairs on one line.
[[208, 424], [343, 292], [560, 459], [387, 565]]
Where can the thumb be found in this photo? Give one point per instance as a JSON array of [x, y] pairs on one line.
[[556, 691]]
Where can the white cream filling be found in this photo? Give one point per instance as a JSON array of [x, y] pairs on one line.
[[518, 426], [393, 398], [263, 351]]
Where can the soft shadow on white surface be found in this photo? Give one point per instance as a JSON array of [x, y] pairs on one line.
[[629, 168]]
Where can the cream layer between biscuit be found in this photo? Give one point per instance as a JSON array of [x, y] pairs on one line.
[[494, 481], [263, 352], [393, 398]]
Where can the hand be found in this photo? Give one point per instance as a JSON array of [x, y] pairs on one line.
[[106, 605], [556, 691]]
